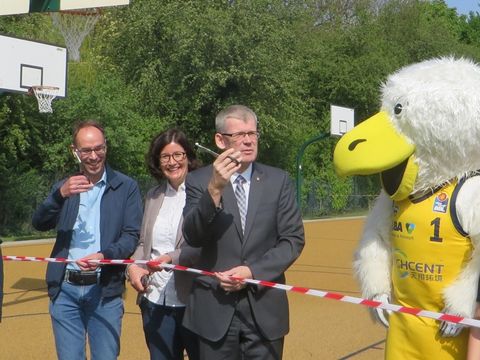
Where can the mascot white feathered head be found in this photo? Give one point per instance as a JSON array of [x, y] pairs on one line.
[[427, 132]]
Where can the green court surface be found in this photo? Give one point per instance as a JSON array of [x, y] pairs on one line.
[[319, 328]]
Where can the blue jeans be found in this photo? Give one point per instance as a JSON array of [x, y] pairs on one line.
[[80, 311], [165, 336]]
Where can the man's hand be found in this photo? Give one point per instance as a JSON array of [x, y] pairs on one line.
[[84, 265], [75, 185], [225, 165], [236, 283], [135, 275], [161, 259]]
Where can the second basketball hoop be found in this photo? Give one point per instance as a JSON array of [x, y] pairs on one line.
[[75, 25]]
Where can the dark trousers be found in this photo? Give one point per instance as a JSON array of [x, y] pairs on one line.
[[243, 341], [165, 336]]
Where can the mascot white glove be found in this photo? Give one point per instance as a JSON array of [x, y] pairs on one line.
[[449, 329], [382, 314]]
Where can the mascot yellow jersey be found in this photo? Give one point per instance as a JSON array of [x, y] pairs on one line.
[[429, 249]]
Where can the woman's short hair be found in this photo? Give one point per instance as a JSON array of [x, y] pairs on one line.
[[159, 142]]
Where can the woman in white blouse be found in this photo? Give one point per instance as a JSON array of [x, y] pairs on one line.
[[163, 293]]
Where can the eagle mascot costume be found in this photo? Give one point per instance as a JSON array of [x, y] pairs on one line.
[[419, 246]]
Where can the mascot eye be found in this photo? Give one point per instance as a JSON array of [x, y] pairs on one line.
[[398, 109]]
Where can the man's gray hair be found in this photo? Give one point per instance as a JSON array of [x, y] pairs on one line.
[[239, 112]]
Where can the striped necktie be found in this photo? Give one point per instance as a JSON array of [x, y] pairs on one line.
[[241, 199]]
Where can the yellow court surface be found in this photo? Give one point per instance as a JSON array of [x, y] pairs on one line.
[[319, 328]]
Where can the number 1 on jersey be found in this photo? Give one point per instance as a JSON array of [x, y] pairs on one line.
[[436, 230]]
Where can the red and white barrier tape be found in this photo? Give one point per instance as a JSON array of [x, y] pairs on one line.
[[302, 290]]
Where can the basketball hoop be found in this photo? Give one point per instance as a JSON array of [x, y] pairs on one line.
[[44, 95], [75, 26]]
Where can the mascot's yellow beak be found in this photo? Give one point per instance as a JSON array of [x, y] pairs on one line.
[[374, 146]]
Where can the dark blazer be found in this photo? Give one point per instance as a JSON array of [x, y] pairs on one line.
[[182, 254], [121, 215], [273, 239]]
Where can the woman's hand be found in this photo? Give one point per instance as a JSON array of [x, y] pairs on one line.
[[165, 258]]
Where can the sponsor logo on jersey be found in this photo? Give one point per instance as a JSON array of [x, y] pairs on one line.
[[418, 270], [399, 257], [397, 226], [441, 202], [410, 227], [403, 231]]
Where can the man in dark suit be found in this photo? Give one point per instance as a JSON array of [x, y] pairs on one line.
[[257, 236]]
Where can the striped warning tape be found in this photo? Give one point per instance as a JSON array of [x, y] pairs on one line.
[[302, 290]]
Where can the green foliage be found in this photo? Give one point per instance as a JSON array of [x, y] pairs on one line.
[[193, 58], [162, 63], [109, 100]]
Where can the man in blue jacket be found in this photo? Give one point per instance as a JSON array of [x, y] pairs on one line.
[[97, 214]]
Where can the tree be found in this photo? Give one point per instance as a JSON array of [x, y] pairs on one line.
[[162, 63], [193, 58]]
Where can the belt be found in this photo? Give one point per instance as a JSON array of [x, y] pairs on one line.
[[77, 277]]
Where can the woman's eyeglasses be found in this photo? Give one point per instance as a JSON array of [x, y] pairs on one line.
[[177, 156]]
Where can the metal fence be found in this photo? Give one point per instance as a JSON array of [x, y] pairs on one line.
[[321, 201]]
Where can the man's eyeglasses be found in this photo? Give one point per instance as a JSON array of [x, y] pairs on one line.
[[177, 156], [253, 135], [99, 150]]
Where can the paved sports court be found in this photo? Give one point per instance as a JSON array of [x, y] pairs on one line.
[[320, 328]]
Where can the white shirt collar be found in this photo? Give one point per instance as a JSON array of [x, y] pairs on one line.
[[247, 174], [103, 179], [171, 189]]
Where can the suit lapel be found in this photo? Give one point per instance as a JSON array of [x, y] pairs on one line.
[[179, 233], [155, 204], [254, 198], [230, 205]]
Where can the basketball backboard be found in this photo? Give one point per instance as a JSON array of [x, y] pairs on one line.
[[30, 63], [11, 7], [341, 120]]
